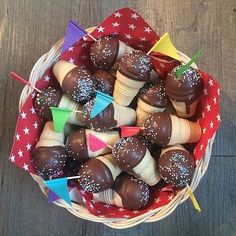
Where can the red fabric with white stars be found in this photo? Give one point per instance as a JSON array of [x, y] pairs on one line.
[[132, 29]]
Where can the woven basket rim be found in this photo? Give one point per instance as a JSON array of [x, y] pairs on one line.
[[80, 211]]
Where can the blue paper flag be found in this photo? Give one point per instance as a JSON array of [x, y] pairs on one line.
[[74, 33], [59, 187], [52, 196], [102, 100]]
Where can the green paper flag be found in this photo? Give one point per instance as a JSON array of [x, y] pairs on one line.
[[60, 116], [183, 68]]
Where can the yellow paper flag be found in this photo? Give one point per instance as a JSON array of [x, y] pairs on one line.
[[166, 47], [194, 200]]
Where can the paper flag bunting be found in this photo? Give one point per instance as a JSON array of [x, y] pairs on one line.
[[95, 143], [74, 33], [166, 47], [127, 131], [193, 199], [102, 100], [183, 68], [60, 116], [52, 196], [59, 187]]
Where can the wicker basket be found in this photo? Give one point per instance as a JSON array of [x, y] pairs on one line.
[[80, 211]]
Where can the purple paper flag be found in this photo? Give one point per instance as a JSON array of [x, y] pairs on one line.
[[52, 196], [74, 33]]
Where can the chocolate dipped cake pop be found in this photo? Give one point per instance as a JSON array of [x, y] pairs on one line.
[[51, 97], [77, 144], [134, 70], [184, 91], [114, 115], [127, 192], [105, 81], [107, 51], [152, 98], [49, 156], [133, 157], [76, 82], [98, 174], [176, 166], [165, 129]]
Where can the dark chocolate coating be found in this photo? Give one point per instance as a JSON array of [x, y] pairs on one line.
[[133, 192], [128, 153], [136, 65], [158, 128], [49, 161], [187, 88], [106, 81], [49, 97], [95, 176], [103, 53], [176, 167], [72, 167], [103, 121], [76, 146], [79, 84], [154, 94]]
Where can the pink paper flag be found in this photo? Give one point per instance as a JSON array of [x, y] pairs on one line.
[[95, 143], [127, 131]]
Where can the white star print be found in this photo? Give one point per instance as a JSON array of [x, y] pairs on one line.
[[126, 216], [147, 29], [83, 57], [84, 45], [211, 125], [25, 167], [135, 16], [20, 153], [128, 36], [204, 130], [35, 125], [115, 33], [121, 209], [214, 100], [82, 191], [46, 78], [71, 49], [94, 201], [107, 205], [32, 110], [91, 205], [26, 130], [203, 114], [170, 197], [33, 95], [17, 137], [218, 117], [205, 91], [135, 212], [157, 200], [115, 24], [218, 91], [208, 107], [143, 39], [23, 115], [100, 29], [140, 46], [201, 147], [132, 26], [28, 146], [12, 158], [117, 14], [210, 82], [162, 65], [71, 60]]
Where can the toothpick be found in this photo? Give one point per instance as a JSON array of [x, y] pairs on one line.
[[92, 37]]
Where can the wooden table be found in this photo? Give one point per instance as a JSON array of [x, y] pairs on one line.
[[29, 28]]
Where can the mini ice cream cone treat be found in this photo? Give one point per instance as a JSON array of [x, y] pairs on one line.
[[176, 166], [152, 99], [51, 97], [76, 82], [98, 174], [107, 51], [184, 91], [133, 157], [105, 81], [77, 144], [165, 129], [49, 156], [127, 192], [114, 115], [134, 70]]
